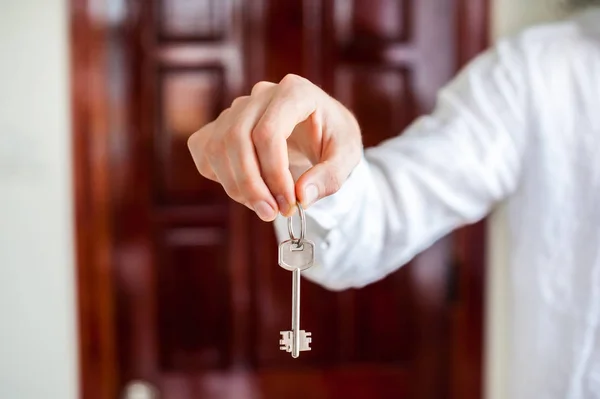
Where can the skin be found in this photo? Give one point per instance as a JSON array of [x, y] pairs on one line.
[[285, 142]]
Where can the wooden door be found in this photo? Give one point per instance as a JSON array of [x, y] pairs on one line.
[[191, 299]]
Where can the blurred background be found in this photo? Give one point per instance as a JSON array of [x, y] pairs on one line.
[[124, 274]]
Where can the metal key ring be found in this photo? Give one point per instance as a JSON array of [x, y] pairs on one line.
[[302, 225]]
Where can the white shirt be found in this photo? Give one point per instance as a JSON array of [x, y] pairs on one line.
[[519, 126]]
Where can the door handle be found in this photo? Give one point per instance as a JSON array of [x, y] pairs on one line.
[[140, 390]]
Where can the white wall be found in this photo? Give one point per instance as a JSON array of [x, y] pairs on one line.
[[37, 306], [508, 17]]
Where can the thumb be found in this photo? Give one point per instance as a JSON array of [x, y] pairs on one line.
[[320, 181]]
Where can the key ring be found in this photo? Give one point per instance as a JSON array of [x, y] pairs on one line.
[[302, 225]]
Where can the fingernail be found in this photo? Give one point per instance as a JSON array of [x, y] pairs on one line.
[[311, 193], [284, 207], [264, 211]]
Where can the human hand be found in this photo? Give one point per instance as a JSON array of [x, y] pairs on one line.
[[284, 142]]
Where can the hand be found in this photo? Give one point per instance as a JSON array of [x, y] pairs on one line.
[[282, 133]]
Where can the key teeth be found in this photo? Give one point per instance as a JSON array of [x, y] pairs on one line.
[[307, 337], [285, 343]]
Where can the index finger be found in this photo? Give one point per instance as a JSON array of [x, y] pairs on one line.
[[291, 104]]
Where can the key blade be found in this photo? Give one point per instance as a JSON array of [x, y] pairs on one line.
[[296, 313]]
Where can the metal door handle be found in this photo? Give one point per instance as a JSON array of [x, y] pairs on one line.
[[140, 390]]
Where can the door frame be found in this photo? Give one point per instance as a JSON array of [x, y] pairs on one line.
[[95, 116]]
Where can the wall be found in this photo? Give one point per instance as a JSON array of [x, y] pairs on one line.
[[508, 17], [37, 307]]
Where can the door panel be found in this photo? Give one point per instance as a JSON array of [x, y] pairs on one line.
[[188, 99], [193, 19], [380, 20], [380, 98], [193, 293], [198, 297]]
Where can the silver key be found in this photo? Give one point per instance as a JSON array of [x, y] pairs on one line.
[[295, 255]]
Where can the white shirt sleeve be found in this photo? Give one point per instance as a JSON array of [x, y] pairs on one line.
[[446, 170]]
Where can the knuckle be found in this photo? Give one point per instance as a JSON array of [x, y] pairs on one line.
[[197, 140], [261, 134], [234, 194], [276, 185], [233, 136], [224, 113], [198, 154], [206, 171], [240, 102], [275, 180], [292, 80], [214, 148], [260, 86], [250, 187], [191, 142]]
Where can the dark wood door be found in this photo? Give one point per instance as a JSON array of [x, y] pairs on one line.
[[195, 297]]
